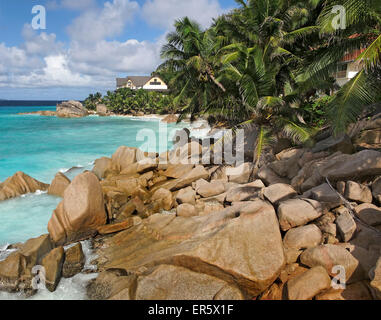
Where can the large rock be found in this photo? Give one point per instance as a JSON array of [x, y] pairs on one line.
[[199, 172], [376, 279], [71, 109], [369, 213], [209, 189], [186, 195], [177, 171], [16, 269], [240, 245], [247, 192], [342, 143], [10, 271], [186, 210], [269, 177], [117, 227], [74, 261], [308, 284], [240, 174], [123, 158], [353, 292], [52, 263], [303, 237], [279, 192], [168, 282], [35, 249], [20, 184], [287, 165], [102, 167], [324, 194], [114, 285], [59, 185], [338, 167], [81, 211], [164, 199], [298, 212], [346, 226], [329, 256], [189, 153], [376, 189], [370, 139], [102, 110], [358, 192]]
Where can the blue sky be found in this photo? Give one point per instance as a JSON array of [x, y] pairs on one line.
[[87, 43]]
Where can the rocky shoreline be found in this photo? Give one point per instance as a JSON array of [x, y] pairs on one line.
[[167, 227]]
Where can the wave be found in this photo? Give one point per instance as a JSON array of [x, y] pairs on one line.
[[68, 289], [37, 193], [5, 252], [66, 170]]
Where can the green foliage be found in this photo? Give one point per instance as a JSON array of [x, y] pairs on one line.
[[127, 101], [315, 113], [266, 61], [91, 102]]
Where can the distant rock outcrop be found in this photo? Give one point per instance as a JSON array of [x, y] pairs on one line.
[[171, 118], [45, 113], [103, 111], [20, 184], [71, 109]]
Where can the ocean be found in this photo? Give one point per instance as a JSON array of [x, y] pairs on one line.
[[42, 146]]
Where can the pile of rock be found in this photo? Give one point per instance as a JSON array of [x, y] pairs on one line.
[[277, 235], [165, 227], [71, 109], [39, 262]]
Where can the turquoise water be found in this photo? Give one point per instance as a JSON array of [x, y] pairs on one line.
[[42, 146]]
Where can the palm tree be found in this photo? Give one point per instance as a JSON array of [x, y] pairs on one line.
[[362, 32], [191, 54], [92, 101], [260, 62]]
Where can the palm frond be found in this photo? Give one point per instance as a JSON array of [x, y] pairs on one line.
[[351, 100]]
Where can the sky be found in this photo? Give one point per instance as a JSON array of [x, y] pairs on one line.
[[86, 44]]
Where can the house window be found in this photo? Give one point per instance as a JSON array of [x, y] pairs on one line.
[[155, 82], [341, 71]]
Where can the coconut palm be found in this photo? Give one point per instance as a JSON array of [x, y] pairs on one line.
[[268, 40], [191, 54], [362, 32]]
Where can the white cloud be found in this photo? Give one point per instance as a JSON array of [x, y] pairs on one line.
[[70, 4], [91, 59], [113, 57], [98, 24], [40, 44], [55, 73], [163, 13]]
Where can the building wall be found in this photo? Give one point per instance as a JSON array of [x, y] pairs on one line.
[[353, 68], [160, 86]]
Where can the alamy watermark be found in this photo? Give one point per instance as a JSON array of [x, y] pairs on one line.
[[339, 280], [339, 22], [187, 150], [39, 19]]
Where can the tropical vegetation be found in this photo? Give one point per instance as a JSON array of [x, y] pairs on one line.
[[127, 101], [269, 64]]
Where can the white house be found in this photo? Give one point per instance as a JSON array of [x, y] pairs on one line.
[[348, 68], [151, 83]]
